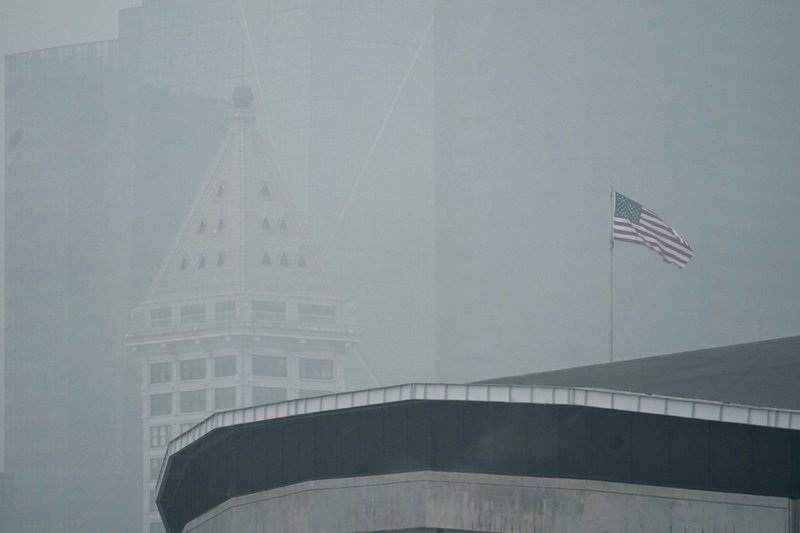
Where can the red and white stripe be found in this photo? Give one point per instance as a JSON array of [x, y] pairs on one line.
[[654, 233]]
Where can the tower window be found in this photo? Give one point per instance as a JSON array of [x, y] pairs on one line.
[[155, 467], [193, 401], [159, 436], [316, 368], [265, 223], [221, 259], [284, 227], [220, 191], [184, 263], [160, 404], [317, 314], [193, 313], [301, 261], [265, 259], [193, 369], [262, 395], [225, 310], [269, 365], [160, 372], [161, 317], [264, 310], [220, 224], [225, 398], [265, 190], [202, 227], [224, 366], [284, 260], [202, 262]]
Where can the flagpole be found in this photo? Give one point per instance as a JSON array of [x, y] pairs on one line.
[[611, 283]]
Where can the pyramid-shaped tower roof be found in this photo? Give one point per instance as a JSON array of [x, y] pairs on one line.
[[242, 235]]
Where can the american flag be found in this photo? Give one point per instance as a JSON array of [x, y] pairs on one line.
[[635, 223]]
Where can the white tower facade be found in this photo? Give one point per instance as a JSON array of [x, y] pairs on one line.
[[241, 312]]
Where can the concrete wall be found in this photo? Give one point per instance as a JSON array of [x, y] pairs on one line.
[[490, 503]]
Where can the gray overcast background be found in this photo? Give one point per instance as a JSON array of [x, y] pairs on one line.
[[688, 107], [514, 124]]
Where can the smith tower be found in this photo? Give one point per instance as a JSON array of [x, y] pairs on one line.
[[241, 312]]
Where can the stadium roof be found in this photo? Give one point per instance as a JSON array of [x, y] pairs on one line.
[[764, 373], [562, 432]]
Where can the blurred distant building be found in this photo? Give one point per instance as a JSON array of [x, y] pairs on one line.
[[241, 312], [106, 144], [67, 267], [344, 94]]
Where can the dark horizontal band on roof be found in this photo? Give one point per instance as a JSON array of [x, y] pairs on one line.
[[523, 439]]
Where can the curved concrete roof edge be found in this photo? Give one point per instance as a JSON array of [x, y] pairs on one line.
[[535, 394]]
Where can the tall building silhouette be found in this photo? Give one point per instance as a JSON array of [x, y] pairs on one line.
[[241, 312], [344, 98], [66, 284]]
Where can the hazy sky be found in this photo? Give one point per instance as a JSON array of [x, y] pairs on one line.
[[32, 24], [690, 108]]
